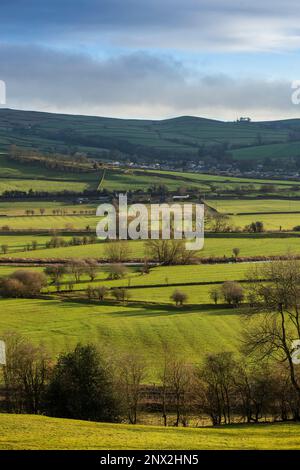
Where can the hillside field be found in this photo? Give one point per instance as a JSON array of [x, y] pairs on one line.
[[213, 246], [117, 328], [254, 206], [27, 432], [177, 137]]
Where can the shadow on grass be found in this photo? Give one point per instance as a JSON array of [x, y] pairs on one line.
[[147, 309]]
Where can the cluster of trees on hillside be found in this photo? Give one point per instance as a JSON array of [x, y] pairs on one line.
[[231, 292], [75, 267], [76, 163], [22, 283], [55, 242], [49, 195], [27, 283], [221, 223], [87, 384]]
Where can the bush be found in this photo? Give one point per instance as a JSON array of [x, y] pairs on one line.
[[23, 284], [233, 293], [81, 387], [179, 297], [120, 294]]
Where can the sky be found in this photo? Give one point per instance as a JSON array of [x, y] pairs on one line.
[[152, 59]]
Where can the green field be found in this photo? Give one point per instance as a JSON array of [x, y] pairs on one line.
[[61, 325], [20, 207], [148, 290], [29, 432], [251, 206], [213, 246], [128, 180], [272, 222], [49, 222], [179, 135], [162, 277], [282, 150], [17, 177], [276, 214], [220, 180], [50, 186], [11, 169]]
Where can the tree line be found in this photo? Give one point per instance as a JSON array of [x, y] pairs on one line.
[[86, 383]]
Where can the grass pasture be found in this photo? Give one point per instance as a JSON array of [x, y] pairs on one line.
[[272, 222], [213, 246], [254, 206], [61, 325], [128, 180], [39, 185], [27, 432], [19, 208], [49, 222]]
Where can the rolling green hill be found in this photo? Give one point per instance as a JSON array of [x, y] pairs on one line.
[[61, 325], [180, 136]]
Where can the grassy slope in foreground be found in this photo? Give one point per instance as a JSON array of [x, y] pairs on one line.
[[39, 432], [60, 325]]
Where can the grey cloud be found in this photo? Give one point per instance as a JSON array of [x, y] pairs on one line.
[[189, 24], [136, 85]]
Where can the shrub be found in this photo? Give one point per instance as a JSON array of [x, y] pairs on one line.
[[179, 297], [81, 387], [233, 293], [23, 284]]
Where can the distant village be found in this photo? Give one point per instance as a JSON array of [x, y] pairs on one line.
[[222, 169]]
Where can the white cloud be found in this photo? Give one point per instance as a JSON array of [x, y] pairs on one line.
[[134, 85]]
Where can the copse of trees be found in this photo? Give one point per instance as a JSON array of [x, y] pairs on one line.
[[117, 271], [218, 223], [232, 292], [75, 268], [120, 294], [228, 389], [117, 251], [67, 163], [168, 252], [85, 384], [23, 283], [55, 272], [255, 227], [81, 387]]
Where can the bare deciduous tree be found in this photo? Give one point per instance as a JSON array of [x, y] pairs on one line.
[[132, 372], [179, 297], [215, 294], [274, 289], [117, 251], [232, 292], [169, 252], [91, 268], [25, 374]]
